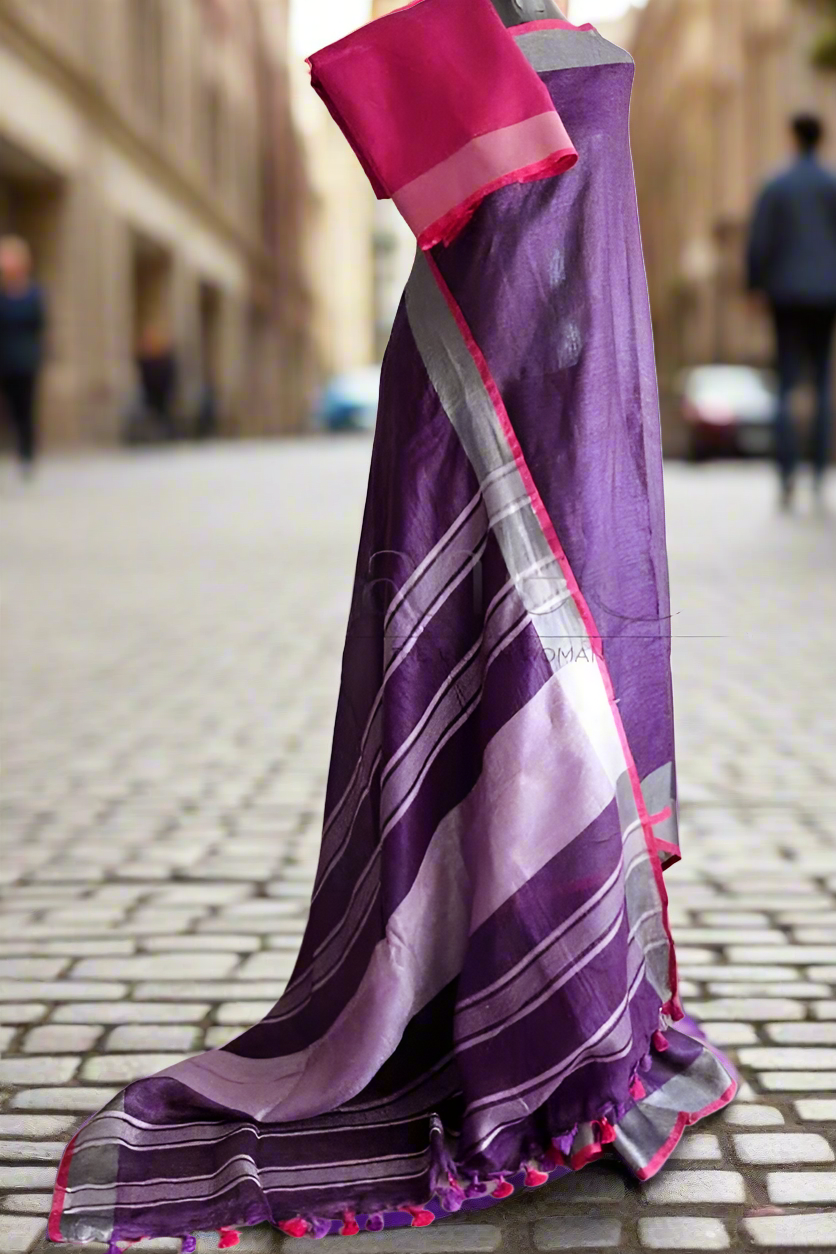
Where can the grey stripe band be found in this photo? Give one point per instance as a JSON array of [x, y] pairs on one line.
[[568, 50]]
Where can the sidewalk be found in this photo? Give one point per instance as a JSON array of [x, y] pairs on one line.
[[171, 634]]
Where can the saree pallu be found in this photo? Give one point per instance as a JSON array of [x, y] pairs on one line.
[[486, 993]]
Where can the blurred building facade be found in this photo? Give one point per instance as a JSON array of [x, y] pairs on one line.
[[358, 249], [148, 154], [716, 81], [337, 240]]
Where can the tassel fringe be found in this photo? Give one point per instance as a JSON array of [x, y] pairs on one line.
[[476, 1188], [453, 1194], [607, 1131], [421, 1218], [637, 1089], [294, 1227]]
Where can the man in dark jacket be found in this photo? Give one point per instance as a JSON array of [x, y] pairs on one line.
[[792, 262], [22, 329]]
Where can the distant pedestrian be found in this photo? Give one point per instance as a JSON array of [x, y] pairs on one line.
[[792, 262], [22, 333], [156, 363]]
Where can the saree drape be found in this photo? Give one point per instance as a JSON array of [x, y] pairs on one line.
[[486, 994]]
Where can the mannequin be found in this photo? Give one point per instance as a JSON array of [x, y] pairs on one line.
[[515, 12]]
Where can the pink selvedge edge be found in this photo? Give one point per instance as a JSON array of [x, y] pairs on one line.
[[672, 1008]]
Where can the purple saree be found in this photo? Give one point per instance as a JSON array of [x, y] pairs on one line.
[[486, 993]]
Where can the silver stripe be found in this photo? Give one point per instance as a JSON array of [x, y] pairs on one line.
[[555, 616], [305, 1175], [539, 973], [658, 796], [558, 49], [403, 786], [497, 1111], [170, 1136], [467, 531], [465, 399], [647, 1125]]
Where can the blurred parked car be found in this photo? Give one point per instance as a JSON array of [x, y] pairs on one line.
[[729, 411], [349, 401]]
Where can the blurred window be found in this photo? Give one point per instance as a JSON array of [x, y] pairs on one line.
[[148, 56], [213, 129]]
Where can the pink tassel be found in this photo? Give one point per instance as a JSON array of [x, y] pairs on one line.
[[375, 1223], [553, 1157], [294, 1227], [534, 1178], [350, 1226], [420, 1218], [607, 1131], [229, 1237], [503, 1189], [637, 1089], [660, 1044], [189, 1245]]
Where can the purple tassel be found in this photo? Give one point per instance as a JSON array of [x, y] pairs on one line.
[[113, 1248], [189, 1245], [478, 1188], [564, 1143], [320, 1228], [374, 1223], [646, 1063], [451, 1199]]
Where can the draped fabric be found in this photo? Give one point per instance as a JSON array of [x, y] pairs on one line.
[[441, 108], [486, 994]]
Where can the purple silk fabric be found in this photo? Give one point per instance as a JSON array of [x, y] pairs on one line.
[[561, 313], [487, 966]]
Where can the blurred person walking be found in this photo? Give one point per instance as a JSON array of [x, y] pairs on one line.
[[792, 262], [156, 363], [22, 332]]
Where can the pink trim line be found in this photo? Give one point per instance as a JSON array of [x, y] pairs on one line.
[[586, 1155], [683, 1121], [671, 850], [445, 230], [546, 23], [672, 1007], [665, 846], [54, 1225], [438, 202]]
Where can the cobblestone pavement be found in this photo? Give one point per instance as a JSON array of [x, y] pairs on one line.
[[171, 631]]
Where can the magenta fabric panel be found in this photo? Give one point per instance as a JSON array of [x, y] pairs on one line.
[[437, 204], [415, 88]]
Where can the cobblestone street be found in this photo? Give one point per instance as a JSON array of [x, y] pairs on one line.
[[172, 624]]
